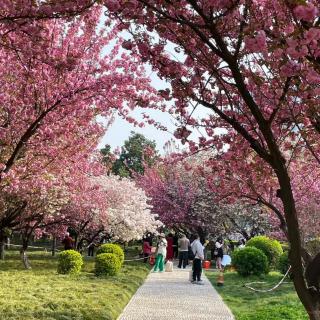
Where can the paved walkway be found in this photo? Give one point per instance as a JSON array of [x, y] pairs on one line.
[[170, 296]]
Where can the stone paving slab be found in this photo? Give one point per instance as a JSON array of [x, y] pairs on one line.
[[170, 295]]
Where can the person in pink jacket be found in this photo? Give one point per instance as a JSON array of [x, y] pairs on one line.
[[146, 249]]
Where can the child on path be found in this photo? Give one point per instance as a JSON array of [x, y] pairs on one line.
[[161, 253]]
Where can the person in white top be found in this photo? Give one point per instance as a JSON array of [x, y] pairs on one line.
[[161, 253], [219, 249], [198, 251]]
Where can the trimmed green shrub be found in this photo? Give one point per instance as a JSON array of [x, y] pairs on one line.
[[107, 264], [284, 264], [250, 260], [313, 246], [112, 248], [271, 248], [285, 246], [69, 262]]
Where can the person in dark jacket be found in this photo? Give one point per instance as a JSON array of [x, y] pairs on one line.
[[68, 242], [170, 253]]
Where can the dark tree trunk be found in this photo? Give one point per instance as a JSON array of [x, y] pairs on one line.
[[54, 246], [2, 251], [76, 241], [2, 245], [309, 298], [7, 247], [79, 246]]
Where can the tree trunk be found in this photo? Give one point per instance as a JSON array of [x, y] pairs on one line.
[[314, 313], [2, 252], [76, 241], [310, 300], [2, 246], [25, 259], [7, 243], [54, 246], [23, 253], [79, 246]]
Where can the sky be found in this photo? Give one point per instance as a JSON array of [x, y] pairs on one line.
[[120, 129]]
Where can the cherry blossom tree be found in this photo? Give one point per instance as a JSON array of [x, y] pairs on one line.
[[56, 79], [254, 66], [184, 200], [171, 193], [86, 212], [129, 216]]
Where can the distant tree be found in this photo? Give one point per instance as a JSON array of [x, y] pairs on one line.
[[108, 158], [136, 153]]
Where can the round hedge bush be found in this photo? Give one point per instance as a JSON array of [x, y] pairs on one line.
[[69, 262], [107, 264], [250, 260], [271, 248], [112, 248], [284, 263]]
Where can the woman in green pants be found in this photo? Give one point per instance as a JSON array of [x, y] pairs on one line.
[[161, 253]]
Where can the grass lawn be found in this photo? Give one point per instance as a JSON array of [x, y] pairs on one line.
[[40, 293], [281, 304]]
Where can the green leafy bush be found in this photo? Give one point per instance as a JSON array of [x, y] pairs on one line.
[[285, 246], [70, 262], [107, 264], [313, 246], [250, 260], [112, 248], [284, 263], [271, 248]]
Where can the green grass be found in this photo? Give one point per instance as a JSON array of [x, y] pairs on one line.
[[40, 293], [281, 304]]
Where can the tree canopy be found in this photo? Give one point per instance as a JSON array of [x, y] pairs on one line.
[[136, 153]]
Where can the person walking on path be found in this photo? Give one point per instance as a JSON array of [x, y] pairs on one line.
[[184, 244], [67, 242], [219, 249], [198, 251], [146, 249], [170, 247], [161, 253]]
